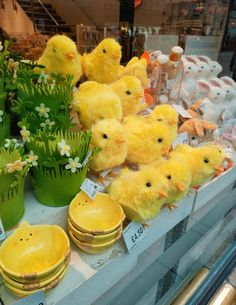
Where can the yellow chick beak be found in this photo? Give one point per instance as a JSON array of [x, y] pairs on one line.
[[138, 96], [163, 193], [172, 122], [70, 55], [120, 140], [180, 187], [219, 168]]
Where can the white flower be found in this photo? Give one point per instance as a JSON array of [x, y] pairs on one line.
[[48, 124], [7, 143], [32, 158], [65, 149], [16, 166], [25, 134], [43, 77], [1, 46], [42, 110], [73, 164], [1, 114]]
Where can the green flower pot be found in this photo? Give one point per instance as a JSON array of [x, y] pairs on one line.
[[54, 187], [12, 206]]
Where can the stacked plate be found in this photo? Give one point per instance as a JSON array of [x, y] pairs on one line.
[[34, 258], [95, 225]]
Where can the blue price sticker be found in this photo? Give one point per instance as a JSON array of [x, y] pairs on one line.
[[37, 298], [133, 234]]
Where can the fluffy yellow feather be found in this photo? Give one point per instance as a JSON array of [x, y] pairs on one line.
[[135, 67], [141, 193], [102, 64], [203, 161], [94, 101], [131, 94], [109, 135], [61, 56], [168, 115], [147, 141]]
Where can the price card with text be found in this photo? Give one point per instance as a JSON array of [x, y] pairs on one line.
[[182, 111], [37, 298], [2, 232], [182, 138], [133, 234], [90, 188]]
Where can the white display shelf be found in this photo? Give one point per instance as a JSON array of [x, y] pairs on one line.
[[210, 190], [90, 276]]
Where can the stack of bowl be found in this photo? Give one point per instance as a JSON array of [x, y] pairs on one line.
[[34, 258], [95, 225]]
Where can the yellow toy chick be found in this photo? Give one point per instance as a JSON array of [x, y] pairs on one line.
[[179, 179], [94, 101], [102, 64], [166, 114], [61, 56], [147, 141], [135, 67], [109, 135], [141, 193], [131, 94], [203, 161]]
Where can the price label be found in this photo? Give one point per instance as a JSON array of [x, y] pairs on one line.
[[182, 138], [37, 298], [182, 111], [2, 232], [133, 234], [90, 188]]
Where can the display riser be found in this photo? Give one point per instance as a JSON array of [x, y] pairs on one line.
[[91, 278]]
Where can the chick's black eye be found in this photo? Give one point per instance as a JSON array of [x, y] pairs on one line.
[[160, 140], [105, 136], [206, 160], [128, 92], [104, 50], [218, 93], [148, 184], [220, 151], [169, 177], [160, 120], [202, 67], [189, 68], [54, 50]]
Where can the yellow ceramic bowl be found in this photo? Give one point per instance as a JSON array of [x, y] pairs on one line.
[[93, 249], [35, 285], [93, 239], [24, 293], [34, 252], [99, 216]]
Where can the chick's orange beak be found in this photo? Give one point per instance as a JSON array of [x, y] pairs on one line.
[[115, 56], [172, 122], [163, 193], [120, 140], [219, 168], [138, 96], [165, 151], [70, 55], [180, 187]]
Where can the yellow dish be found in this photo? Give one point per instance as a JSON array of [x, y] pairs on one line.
[[93, 239], [93, 249], [99, 216], [24, 293], [34, 252], [34, 285]]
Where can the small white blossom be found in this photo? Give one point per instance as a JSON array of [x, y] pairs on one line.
[[7, 143], [42, 110], [1, 115], [64, 148], [16, 166], [1, 46], [25, 134], [73, 164], [48, 124], [32, 158], [43, 78], [13, 65]]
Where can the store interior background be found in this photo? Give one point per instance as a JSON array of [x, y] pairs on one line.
[[199, 26]]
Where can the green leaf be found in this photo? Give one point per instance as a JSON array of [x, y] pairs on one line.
[[38, 138], [62, 161], [51, 138], [48, 163]]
